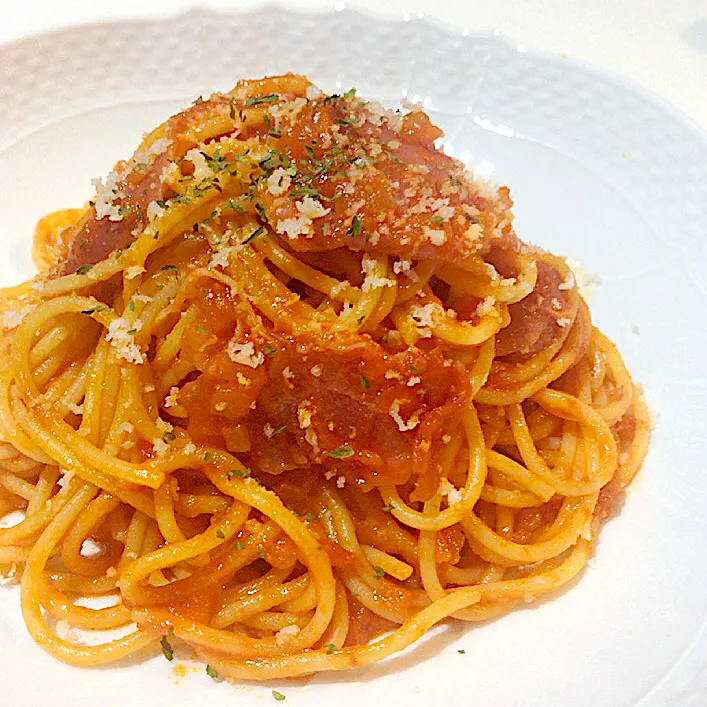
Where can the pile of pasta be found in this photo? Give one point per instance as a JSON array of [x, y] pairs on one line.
[[289, 390]]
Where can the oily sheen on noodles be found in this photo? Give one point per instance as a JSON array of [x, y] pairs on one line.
[[295, 381]]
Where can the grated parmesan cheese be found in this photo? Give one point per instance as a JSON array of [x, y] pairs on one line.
[[294, 227], [189, 448], [90, 548], [341, 482], [485, 306], [12, 318], [171, 400], [435, 236], [316, 371], [155, 211], [444, 212], [454, 496], [583, 278], [308, 209], [426, 317], [244, 354], [124, 427], [160, 446], [395, 121], [403, 426], [220, 258], [485, 188], [122, 340], [311, 208], [106, 195], [372, 280], [159, 146], [279, 182], [171, 174], [401, 266], [243, 380], [304, 414], [202, 171], [447, 489], [287, 110], [163, 426], [567, 283], [473, 232]]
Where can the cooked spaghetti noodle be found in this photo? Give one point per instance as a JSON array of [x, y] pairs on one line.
[[289, 390]]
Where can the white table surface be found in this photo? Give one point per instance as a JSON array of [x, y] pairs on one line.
[[661, 44]]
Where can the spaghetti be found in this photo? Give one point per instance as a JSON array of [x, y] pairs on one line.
[[289, 390]]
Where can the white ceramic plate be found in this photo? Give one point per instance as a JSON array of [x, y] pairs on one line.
[[599, 170]]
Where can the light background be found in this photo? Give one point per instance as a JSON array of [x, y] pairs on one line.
[[661, 44]]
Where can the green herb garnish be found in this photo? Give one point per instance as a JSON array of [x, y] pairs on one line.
[[255, 100], [97, 308], [242, 473], [343, 452], [258, 231], [166, 648]]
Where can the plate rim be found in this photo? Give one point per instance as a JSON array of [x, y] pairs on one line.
[[675, 114]]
